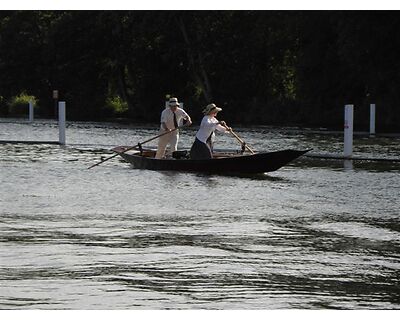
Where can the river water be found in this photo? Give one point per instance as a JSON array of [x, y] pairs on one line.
[[315, 234]]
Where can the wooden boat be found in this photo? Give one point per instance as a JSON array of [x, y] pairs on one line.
[[221, 163]]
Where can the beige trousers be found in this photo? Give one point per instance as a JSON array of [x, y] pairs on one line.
[[170, 139]]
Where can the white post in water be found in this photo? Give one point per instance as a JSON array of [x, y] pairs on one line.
[[30, 111], [348, 130], [372, 119], [61, 122]]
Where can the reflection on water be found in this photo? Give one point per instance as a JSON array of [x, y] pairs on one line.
[[348, 164], [314, 234]]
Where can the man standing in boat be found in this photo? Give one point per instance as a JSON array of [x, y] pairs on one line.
[[171, 117], [202, 147]]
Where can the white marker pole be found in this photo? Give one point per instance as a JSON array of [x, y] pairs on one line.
[[61, 122], [30, 111], [372, 119], [348, 130]]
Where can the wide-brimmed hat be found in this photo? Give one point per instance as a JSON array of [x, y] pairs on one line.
[[211, 108], [173, 102]]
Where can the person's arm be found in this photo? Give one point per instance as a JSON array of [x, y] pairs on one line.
[[188, 121], [186, 118], [164, 126], [164, 121], [221, 126]]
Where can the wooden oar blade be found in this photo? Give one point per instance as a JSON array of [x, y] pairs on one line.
[[96, 164], [118, 151]]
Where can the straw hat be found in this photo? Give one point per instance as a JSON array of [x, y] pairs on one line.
[[211, 108], [173, 102]]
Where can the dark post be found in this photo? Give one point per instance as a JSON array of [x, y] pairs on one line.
[[55, 97]]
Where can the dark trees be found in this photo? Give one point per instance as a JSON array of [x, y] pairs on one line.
[[262, 67]]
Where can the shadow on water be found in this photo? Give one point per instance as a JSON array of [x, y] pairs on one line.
[[347, 165], [213, 176]]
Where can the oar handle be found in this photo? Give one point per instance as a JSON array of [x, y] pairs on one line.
[[136, 146], [238, 138]]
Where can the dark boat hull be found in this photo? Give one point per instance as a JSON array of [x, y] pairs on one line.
[[255, 163]]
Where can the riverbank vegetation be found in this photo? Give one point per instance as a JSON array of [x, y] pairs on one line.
[[262, 67]]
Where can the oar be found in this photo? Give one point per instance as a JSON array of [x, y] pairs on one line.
[[240, 140], [136, 146]]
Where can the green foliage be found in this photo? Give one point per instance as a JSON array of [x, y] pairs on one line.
[[19, 105], [117, 105]]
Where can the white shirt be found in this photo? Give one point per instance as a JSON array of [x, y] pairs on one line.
[[167, 116], [207, 128]]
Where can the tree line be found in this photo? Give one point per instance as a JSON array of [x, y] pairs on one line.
[[262, 67]]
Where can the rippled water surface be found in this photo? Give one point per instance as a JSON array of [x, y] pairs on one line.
[[314, 234]]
